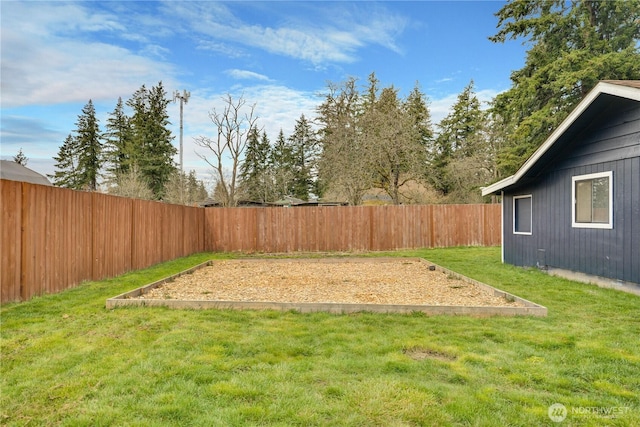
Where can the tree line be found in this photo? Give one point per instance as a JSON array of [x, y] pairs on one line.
[[367, 138], [362, 139], [134, 154]]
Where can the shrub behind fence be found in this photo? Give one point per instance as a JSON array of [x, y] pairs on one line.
[[54, 238]]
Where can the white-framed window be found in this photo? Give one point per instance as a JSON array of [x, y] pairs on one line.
[[522, 214], [592, 197]]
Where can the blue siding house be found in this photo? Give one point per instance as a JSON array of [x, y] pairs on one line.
[[574, 206]]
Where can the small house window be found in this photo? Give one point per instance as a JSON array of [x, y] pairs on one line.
[[592, 200], [522, 215]]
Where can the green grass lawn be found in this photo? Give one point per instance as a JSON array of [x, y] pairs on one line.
[[66, 360]]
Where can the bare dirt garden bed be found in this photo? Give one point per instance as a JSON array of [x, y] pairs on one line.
[[338, 285]]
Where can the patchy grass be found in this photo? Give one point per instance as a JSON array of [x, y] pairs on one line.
[[66, 360]]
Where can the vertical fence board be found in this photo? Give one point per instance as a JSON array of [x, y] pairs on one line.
[[10, 239], [33, 244], [171, 231], [147, 235], [193, 231], [210, 230], [112, 222]]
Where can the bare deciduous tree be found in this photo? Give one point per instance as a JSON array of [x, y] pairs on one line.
[[227, 147]]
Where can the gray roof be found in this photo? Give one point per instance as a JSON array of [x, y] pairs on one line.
[[16, 172]]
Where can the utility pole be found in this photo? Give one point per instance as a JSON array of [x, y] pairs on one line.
[[184, 97]]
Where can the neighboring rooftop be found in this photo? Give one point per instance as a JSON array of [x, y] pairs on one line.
[[13, 171]]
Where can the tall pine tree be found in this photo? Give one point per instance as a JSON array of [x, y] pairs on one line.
[[152, 150], [118, 152], [574, 45], [79, 158], [89, 144], [66, 166], [281, 164], [157, 161], [138, 123], [305, 150], [256, 180], [459, 137], [416, 107]]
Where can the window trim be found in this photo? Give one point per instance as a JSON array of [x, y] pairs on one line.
[[524, 233], [590, 176]]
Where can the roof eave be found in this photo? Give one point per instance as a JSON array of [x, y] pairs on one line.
[[497, 186]]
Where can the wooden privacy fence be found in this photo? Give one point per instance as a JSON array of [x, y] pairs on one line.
[[54, 238], [353, 228]]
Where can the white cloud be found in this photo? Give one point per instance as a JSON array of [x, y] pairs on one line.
[[45, 18], [222, 48], [48, 59], [72, 72], [246, 75], [332, 34]]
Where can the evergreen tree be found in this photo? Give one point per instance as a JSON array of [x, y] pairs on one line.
[[79, 158], [89, 145], [157, 163], [281, 164], [305, 151], [66, 173], [196, 190], [465, 120], [138, 123], [118, 142], [460, 137], [370, 96], [20, 158], [254, 173], [417, 109], [574, 45], [373, 139], [152, 149]]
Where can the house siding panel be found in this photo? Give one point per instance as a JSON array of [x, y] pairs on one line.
[[609, 144]]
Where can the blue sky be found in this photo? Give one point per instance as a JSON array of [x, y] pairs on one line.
[[278, 55]]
